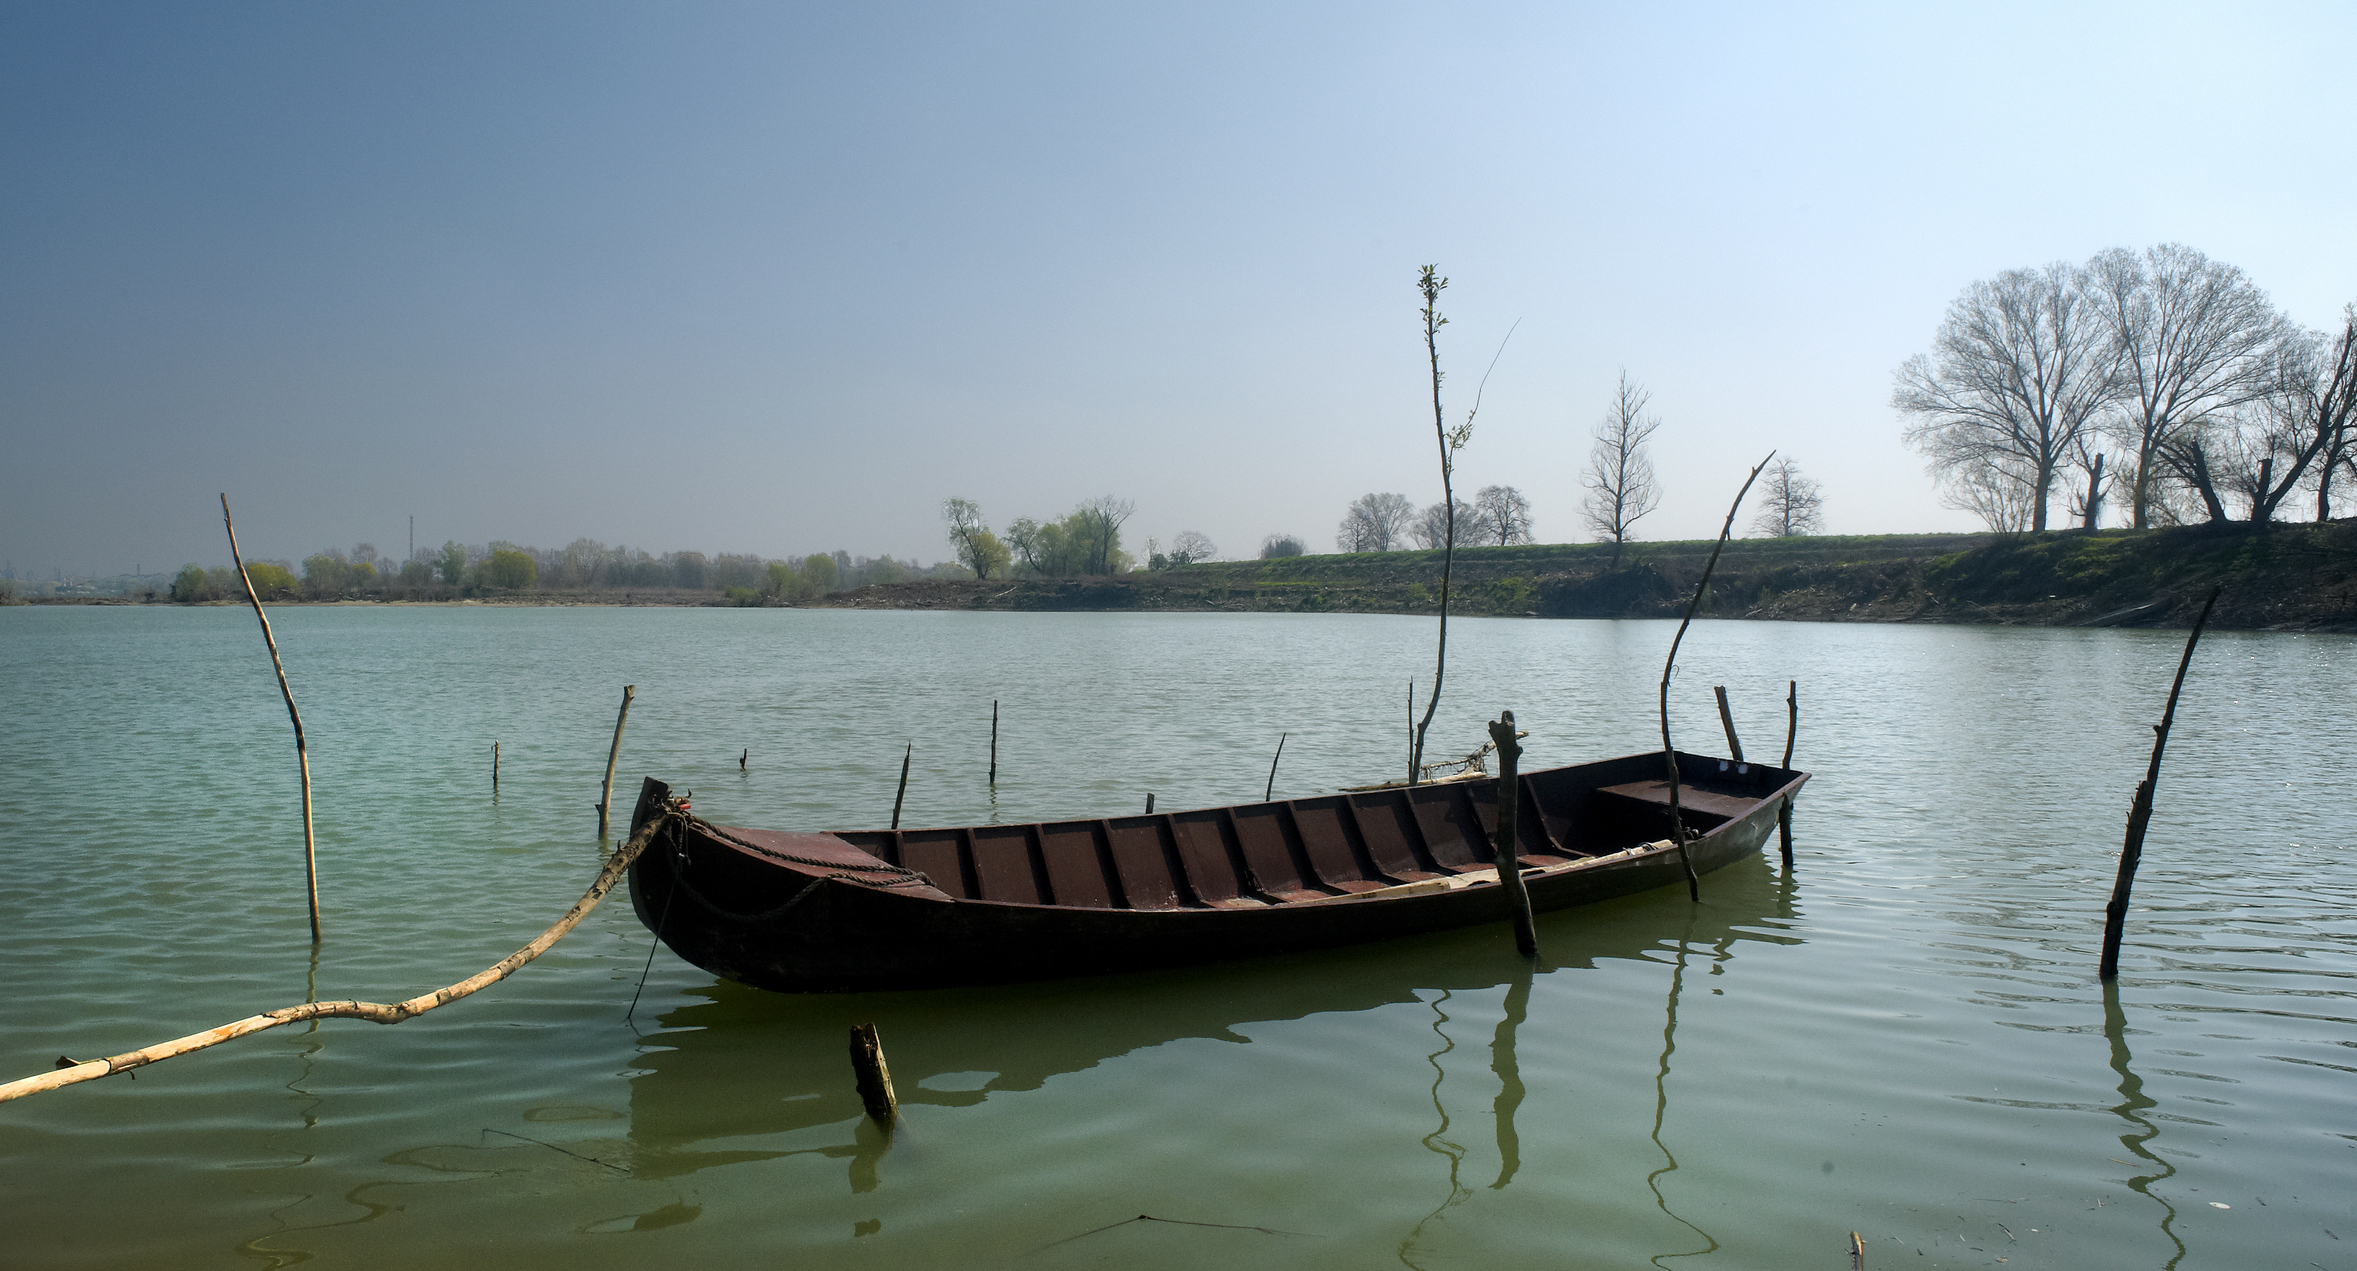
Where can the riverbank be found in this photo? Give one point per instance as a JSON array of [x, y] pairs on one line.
[[2285, 577]]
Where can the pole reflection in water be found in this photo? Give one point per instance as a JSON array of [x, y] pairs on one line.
[[1438, 1141], [1501, 1062], [1503, 1107], [2130, 1108], [1661, 1102]]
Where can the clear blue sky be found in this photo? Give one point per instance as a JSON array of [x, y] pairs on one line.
[[776, 278]]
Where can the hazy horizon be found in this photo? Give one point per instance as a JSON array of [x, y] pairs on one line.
[[742, 278]]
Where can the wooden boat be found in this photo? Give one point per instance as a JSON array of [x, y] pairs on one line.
[[896, 909]]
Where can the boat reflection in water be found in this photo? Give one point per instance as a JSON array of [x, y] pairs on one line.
[[738, 1067]]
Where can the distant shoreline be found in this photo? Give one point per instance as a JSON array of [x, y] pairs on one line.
[[2299, 577]]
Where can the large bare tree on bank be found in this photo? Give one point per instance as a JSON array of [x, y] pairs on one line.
[[2017, 372], [2294, 431], [1619, 479], [2336, 398], [1505, 515], [1375, 523], [1790, 504], [2190, 336], [1434, 525]]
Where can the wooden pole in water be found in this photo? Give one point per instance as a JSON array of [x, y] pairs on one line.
[[1411, 730], [875, 1079], [743, 757], [1526, 934], [1857, 1252], [1669, 756], [1149, 803], [2115, 914], [1271, 792], [495, 767], [605, 795], [302, 752], [1727, 721], [994, 741], [902, 792], [1791, 731]]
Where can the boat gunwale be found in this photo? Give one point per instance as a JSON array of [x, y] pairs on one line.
[[1531, 874]]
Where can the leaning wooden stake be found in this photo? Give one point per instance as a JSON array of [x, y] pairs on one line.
[[1857, 1252], [1727, 721], [2115, 914], [1791, 731], [748, 754], [1526, 933], [605, 796], [875, 1079], [994, 741], [1411, 731], [1271, 792], [376, 1012], [902, 792], [302, 752], [1669, 756]]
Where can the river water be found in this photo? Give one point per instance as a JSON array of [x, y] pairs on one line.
[[1905, 1038]]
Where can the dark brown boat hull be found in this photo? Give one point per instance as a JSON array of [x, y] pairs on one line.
[[763, 909]]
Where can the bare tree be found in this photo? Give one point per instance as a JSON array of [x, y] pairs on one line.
[[1791, 504], [1619, 479], [1429, 284], [2260, 453], [2018, 370], [2338, 396], [1506, 514], [1998, 492], [1375, 523], [2189, 338], [2087, 502], [1432, 526], [1191, 547]]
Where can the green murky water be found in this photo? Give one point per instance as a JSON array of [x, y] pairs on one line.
[[1905, 1039]]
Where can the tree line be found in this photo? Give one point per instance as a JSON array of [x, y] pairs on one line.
[[1084, 542], [2161, 379], [456, 571], [1498, 514], [1620, 486]]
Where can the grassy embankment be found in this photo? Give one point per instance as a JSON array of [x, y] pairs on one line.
[[2301, 577]]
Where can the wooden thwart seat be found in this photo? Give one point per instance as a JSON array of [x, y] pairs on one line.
[[1691, 798]]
